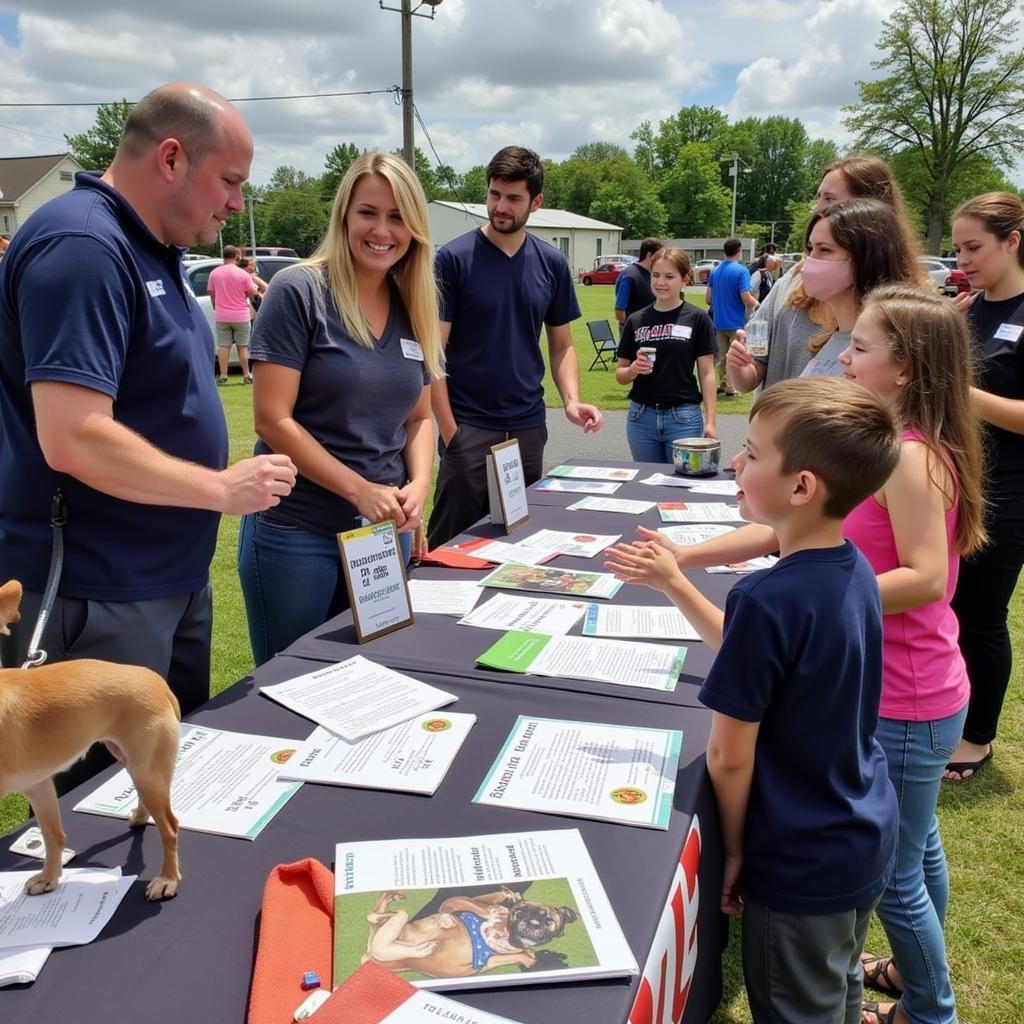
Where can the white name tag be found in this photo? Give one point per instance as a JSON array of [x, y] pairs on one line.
[[1009, 332], [155, 288], [681, 331], [411, 350]]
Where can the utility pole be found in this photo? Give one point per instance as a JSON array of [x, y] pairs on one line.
[[407, 11], [735, 172]]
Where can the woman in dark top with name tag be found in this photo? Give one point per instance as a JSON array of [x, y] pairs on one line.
[[344, 350], [987, 237], [659, 348]]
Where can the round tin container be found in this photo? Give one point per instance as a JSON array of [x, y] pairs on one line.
[[696, 456]]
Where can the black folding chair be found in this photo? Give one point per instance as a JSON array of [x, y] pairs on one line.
[[604, 341]]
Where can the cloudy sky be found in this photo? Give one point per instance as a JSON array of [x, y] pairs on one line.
[[550, 74]]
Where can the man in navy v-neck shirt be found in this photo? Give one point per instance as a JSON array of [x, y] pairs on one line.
[[107, 393], [498, 287]]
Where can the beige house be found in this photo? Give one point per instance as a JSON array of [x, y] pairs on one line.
[[581, 239], [26, 182]]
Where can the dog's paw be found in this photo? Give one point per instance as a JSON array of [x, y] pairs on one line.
[[162, 889], [138, 817], [38, 884]]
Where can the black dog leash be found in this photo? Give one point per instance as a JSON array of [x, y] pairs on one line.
[[58, 520]]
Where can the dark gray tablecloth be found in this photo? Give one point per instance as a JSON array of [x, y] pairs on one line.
[[191, 958]]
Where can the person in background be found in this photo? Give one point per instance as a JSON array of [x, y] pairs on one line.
[[107, 395], [249, 266], [665, 397], [499, 286], [633, 285], [988, 235], [793, 317], [806, 878], [5, 241], [230, 288], [729, 297], [345, 347]]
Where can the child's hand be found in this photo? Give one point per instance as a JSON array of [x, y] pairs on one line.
[[732, 893], [677, 551], [646, 563]]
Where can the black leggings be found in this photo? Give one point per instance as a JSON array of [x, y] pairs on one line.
[[981, 602]]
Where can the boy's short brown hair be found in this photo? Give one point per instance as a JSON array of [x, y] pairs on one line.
[[837, 430]]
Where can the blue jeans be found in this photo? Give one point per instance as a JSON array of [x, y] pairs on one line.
[[292, 582], [650, 432], [913, 907]]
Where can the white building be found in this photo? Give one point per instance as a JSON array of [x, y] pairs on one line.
[[698, 248], [26, 182], [581, 239]]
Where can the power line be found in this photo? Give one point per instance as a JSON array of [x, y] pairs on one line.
[[237, 99], [441, 166]]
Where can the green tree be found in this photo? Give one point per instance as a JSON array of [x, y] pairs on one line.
[[638, 211], [295, 217], [706, 125], [596, 152], [473, 185], [95, 148], [799, 212], [336, 164], [952, 89], [696, 202]]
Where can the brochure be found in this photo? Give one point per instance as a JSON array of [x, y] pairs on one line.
[[71, 915], [729, 487], [572, 582], [624, 505], [578, 486], [527, 614], [523, 552], [652, 666], [373, 995], [665, 480], [564, 542], [443, 597], [663, 622], [694, 533], [224, 783], [476, 911], [739, 568], [624, 774], [699, 512], [594, 472], [413, 757], [355, 698]]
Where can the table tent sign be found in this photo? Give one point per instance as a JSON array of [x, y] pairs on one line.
[[378, 593], [506, 486]]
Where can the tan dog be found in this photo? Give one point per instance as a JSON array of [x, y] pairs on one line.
[[51, 715]]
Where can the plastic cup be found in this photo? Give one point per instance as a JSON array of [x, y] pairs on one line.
[[649, 353], [757, 338]]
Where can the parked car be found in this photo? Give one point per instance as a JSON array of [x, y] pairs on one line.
[[198, 273], [613, 257], [194, 257], [943, 271], [271, 250], [605, 273], [702, 270]]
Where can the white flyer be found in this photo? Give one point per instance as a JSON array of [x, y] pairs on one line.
[[357, 697], [665, 480], [740, 568], [21, 965], [694, 533], [422, 1007], [443, 597], [594, 472], [651, 666], [578, 486], [74, 913], [729, 487], [522, 552], [545, 615], [565, 542], [661, 622], [625, 774], [699, 512], [224, 783], [626, 506], [413, 757], [532, 900]]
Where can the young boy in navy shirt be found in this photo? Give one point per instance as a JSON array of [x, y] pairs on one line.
[[807, 812]]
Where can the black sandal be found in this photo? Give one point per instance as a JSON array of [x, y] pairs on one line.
[[876, 975], [869, 1006]]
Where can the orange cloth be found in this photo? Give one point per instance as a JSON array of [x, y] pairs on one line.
[[365, 997], [296, 935]]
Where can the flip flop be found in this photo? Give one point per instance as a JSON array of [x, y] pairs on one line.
[[876, 974], [968, 766], [888, 1017]]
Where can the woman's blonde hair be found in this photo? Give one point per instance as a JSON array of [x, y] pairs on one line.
[[1001, 213], [413, 274], [867, 177], [932, 341]]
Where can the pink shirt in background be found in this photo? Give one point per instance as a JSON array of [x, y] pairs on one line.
[[924, 676], [230, 287]]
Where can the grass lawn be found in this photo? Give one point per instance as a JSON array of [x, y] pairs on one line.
[[982, 821]]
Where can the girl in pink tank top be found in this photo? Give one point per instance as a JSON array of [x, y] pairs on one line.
[[914, 348]]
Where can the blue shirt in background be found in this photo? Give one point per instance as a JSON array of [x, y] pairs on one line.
[[727, 281], [802, 655]]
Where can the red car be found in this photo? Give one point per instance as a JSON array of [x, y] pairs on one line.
[[604, 273], [956, 283]]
